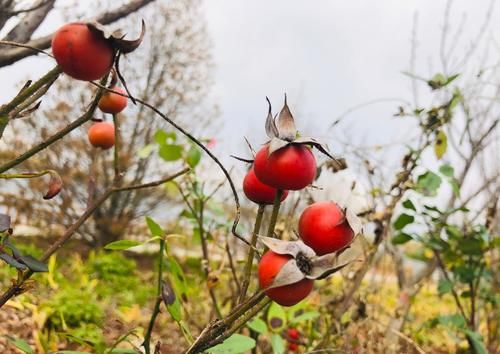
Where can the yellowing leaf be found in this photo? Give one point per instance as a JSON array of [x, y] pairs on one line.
[[441, 144]]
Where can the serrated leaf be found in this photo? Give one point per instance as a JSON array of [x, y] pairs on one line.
[[276, 318], [258, 325], [408, 204], [122, 245], [193, 156], [235, 344], [21, 345], [170, 152], [403, 220], [278, 344], [154, 228], [441, 144], [401, 238]]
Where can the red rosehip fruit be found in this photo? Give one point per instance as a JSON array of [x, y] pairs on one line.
[[293, 347], [324, 227], [286, 295], [292, 167], [102, 135], [293, 333], [81, 53], [111, 102], [259, 192]]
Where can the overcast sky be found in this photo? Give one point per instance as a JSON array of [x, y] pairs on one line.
[[328, 56]]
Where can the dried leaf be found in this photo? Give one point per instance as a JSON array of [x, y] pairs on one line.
[[288, 274], [4, 222], [292, 248], [320, 146], [286, 124], [55, 185], [271, 129]]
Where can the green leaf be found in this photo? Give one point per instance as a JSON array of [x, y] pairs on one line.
[[161, 137], [193, 156], [257, 325], [276, 318], [34, 264], [408, 204], [71, 352], [154, 228], [235, 344], [477, 341], [401, 238], [441, 144], [428, 183], [454, 186], [444, 286], [171, 300], [121, 245], [178, 277], [470, 246], [447, 170], [12, 262], [145, 151], [278, 344], [170, 152], [124, 351], [21, 344], [306, 316], [403, 220]]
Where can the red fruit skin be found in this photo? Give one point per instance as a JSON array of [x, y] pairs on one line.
[[291, 167], [102, 135], [293, 346], [293, 333], [81, 53], [323, 227], [259, 192], [286, 295], [111, 102]]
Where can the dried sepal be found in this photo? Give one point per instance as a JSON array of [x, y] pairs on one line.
[[353, 221], [276, 144], [290, 273], [271, 129], [304, 263], [116, 38], [292, 248], [286, 124], [55, 185]]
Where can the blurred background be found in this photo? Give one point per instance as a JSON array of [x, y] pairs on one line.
[[406, 92]]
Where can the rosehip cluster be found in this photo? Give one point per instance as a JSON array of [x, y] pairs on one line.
[[292, 336], [86, 51], [287, 271]]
